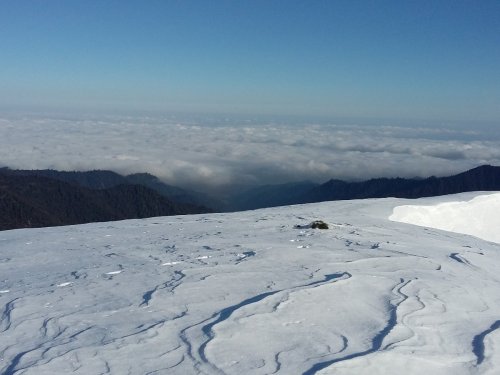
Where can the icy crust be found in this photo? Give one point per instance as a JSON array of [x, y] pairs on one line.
[[479, 216], [247, 293]]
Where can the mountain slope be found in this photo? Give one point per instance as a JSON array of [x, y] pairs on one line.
[[254, 292], [270, 196], [483, 178], [102, 179], [173, 192], [96, 179], [33, 201]]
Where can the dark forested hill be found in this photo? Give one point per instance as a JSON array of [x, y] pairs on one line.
[[270, 195], [96, 179], [486, 178], [36, 201], [47, 197], [103, 179]]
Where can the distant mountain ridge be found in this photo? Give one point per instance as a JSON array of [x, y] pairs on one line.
[[104, 179], [35, 198], [28, 201], [271, 195], [485, 178]]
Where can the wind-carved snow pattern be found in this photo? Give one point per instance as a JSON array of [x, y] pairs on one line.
[[478, 342], [207, 328], [377, 341], [246, 293], [171, 284]]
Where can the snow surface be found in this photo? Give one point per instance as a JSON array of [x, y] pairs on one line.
[[479, 216], [247, 293]]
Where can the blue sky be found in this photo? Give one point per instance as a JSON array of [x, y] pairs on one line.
[[409, 60]]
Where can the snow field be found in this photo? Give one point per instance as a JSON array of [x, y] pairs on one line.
[[248, 293]]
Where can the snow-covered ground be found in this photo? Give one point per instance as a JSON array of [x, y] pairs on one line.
[[479, 216], [247, 293]]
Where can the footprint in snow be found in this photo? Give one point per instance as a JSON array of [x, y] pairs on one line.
[[203, 257], [246, 254], [77, 275], [241, 257]]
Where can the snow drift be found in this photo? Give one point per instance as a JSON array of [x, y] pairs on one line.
[[479, 216]]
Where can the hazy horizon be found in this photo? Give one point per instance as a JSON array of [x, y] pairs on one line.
[[212, 154]]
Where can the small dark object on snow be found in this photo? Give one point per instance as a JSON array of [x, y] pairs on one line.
[[318, 224]]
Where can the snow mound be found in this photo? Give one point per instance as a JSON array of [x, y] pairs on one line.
[[478, 217]]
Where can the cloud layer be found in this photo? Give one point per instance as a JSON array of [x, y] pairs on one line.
[[200, 156]]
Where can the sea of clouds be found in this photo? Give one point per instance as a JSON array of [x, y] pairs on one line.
[[207, 155]]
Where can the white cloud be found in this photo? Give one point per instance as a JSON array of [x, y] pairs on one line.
[[206, 156]]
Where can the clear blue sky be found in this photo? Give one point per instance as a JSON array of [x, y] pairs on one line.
[[417, 60]]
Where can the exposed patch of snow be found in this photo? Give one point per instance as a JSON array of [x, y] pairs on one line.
[[170, 263], [114, 272], [203, 257], [479, 216], [64, 284]]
